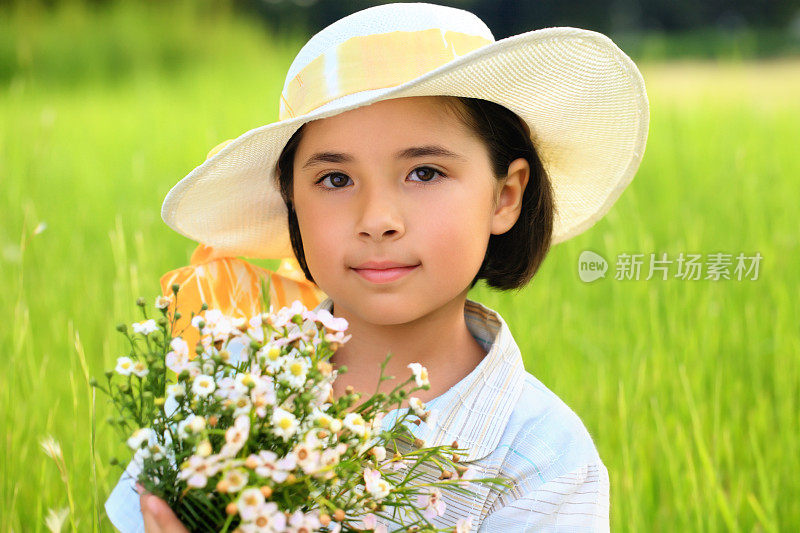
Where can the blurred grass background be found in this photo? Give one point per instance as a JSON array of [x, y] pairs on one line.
[[690, 388]]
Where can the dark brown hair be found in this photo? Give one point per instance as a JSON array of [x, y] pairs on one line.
[[513, 257]]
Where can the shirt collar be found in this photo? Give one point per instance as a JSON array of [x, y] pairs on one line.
[[475, 410]]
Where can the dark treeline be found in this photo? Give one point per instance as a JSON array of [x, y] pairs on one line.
[[509, 17]]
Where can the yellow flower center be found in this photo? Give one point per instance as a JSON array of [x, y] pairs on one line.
[[273, 354], [296, 369], [285, 423]]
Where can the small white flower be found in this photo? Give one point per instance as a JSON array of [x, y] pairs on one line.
[[177, 359], [307, 457], [190, 425], [337, 338], [432, 502], [370, 522], [379, 452], [241, 406], [375, 484], [256, 329], [420, 374], [284, 423], [236, 436], [197, 470], [203, 385], [145, 327], [176, 390], [286, 314], [330, 322], [303, 523], [464, 525], [268, 518], [355, 423], [417, 406], [295, 371], [124, 366], [249, 503], [162, 302], [470, 473], [139, 437], [140, 369], [237, 479]]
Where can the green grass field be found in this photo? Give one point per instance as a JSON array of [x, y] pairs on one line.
[[690, 388]]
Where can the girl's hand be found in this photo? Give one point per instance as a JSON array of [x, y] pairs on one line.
[[158, 517]]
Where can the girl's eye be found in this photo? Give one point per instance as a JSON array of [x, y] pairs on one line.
[[339, 180], [336, 180], [427, 171]]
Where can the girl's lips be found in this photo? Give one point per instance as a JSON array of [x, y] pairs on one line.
[[384, 275]]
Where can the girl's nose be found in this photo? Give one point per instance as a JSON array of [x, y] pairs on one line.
[[380, 216]]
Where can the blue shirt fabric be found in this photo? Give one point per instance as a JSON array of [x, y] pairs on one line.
[[512, 426]]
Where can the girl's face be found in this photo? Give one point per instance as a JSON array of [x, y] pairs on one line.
[[402, 181]]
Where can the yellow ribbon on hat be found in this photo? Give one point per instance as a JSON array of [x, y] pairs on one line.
[[233, 285], [373, 61]]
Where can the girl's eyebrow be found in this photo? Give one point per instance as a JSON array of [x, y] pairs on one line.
[[407, 153]]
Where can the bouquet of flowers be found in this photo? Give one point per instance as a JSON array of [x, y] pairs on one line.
[[242, 432]]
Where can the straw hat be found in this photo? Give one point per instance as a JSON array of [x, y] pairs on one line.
[[582, 97]]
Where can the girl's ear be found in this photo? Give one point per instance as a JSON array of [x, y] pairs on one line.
[[509, 199]]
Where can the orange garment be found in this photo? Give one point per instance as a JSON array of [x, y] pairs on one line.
[[233, 286]]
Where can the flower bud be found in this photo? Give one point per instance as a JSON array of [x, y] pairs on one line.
[[175, 288], [122, 328], [204, 307], [204, 448], [338, 515], [140, 302], [109, 373], [93, 382], [159, 402], [232, 508], [222, 485], [212, 420], [266, 490], [113, 461], [419, 443], [177, 315], [162, 321], [446, 474], [324, 519]]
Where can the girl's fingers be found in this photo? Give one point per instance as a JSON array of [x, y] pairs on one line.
[[158, 517], [150, 525]]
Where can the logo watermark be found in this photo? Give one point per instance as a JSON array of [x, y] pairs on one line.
[[714, 266]]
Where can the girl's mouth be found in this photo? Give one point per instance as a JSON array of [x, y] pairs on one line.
[[385, 275]]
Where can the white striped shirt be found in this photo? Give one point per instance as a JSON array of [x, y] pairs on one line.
[[513, 427]]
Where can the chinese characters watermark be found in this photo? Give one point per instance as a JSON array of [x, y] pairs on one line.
[[714, 266]]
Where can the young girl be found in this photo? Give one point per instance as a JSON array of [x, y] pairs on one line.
[[415, 156]]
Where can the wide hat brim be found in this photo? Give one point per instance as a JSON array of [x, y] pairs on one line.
[[583, 98]]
